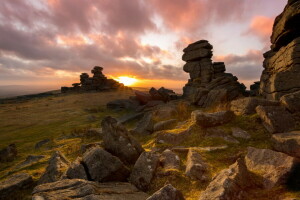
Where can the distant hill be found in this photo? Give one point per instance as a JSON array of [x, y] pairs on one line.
[[7, 91]]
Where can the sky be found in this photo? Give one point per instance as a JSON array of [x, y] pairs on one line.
[[49, 43]]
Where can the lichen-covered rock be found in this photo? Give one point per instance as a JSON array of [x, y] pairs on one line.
[[288, 143], [291, 101], [104, 167], [68, 189], [118, 141], [169, 160], [13, 184], [144, 170], [167, 192], [211, 119], [165, 125], [273, 166], [229, 184], [196, 168], [275, 118], [57, 166], [247, 105], [76, 170]]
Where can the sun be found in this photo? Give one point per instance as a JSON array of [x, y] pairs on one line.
[[126, 80]]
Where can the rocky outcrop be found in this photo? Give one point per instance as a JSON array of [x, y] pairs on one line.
[[196, 168], [281, 65], [119, 142], [247, 105], [288, 143], [274, 167], [10, 187], [9, 153], [275, 118], [208, 84], [229, 184], [211, 119], [83, 189], [58, 164], [144, 170], [96, 83], [291, 101], [167, 192]]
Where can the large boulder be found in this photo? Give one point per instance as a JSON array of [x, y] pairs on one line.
[[10, 187], [288, 143], [9, 153], [118, 141], [169, 160], [144, 170], [211, 119], [247, 105], [196, 168], [69, 189], [146, 125], [104, 167], [229, 184], [275, 118], [274, 167], [167, 192], [291, 101], [57, 166]]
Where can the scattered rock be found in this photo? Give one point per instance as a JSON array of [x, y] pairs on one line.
[[288, 143], [9, 153], [196, 168], [211, 119], [76, 170], [83, 189], [273, 166], [144, 170], [291, 101], [58, 164], [240, 133], [31, 159], [165, 125], [162, 94], [91, 118], [118, 141], [85, 147], [167, 192], [276, 119], [41, 143], [247, 105], [13, 184], [173, 137], [169, 160], [216, 132], [229, 184], [104, 167], [145, 125], [165, 112]]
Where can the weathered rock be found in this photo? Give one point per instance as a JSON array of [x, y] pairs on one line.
[[145, 125], [85, 147], [167, 192], [288, 143], [118, 141], [104, 167], [273, 166], [144, 170], [169, 160], [31, 159], [196, 168], [82, 189], [13, 184], [165, 112], [119, 104], [55, 169], [165, 125], [229, 184], [240, 133], [275, 118], [41, 143], [172, 136], [76, 170], [291, 101], [9, 153], [247, 105], [211, 119]]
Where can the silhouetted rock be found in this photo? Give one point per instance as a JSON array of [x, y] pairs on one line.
[[254, 89], [167, 192], [9, 153]]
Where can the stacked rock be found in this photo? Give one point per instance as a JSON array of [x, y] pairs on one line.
[[208, 83], [281, 73]]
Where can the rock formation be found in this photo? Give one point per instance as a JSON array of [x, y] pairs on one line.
[[96, 83], [208, 83], [282, 63]]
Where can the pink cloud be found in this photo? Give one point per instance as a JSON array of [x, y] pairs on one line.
[[261, 27]]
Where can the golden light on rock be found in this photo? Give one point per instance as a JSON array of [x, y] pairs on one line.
[[126, 80]]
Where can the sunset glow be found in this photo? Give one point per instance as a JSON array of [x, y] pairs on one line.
[[126, 80]]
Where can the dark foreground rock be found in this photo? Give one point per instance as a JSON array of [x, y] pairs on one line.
[[167, 192], [118, 141], [211, 119], [81, 189], [288, 143], [9, 153], [276, 119], [13, 184]]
